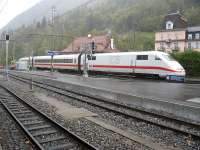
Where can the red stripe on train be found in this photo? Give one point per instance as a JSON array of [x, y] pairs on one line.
[[135, 67], [111, 67]]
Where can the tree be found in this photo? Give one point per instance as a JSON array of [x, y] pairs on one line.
[[38, 25], [44, 22]]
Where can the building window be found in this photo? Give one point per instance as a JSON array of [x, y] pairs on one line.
[[176, 45], [169, 25], [197, 45], [161, 36], [197, 36], [168, 45], [162, 45], [190, 45], [189, 36]]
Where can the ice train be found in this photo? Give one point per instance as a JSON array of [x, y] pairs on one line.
[[151, 63]]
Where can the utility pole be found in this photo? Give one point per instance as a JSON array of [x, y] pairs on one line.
[[13, 51], [53, 13]]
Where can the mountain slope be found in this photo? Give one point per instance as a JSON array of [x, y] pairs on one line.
[[42, 9]]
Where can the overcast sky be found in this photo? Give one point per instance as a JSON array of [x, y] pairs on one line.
[[11, 8]]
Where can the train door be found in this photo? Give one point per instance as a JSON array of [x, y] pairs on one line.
[[142, 64], [79, 63], [133, 64]]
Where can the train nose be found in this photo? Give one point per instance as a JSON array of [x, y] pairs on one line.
[[180, 71]]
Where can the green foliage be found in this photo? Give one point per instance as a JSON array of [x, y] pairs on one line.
[[190, 61], [135, 41]]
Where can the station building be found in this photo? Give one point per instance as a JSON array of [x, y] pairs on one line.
[[176, 36]]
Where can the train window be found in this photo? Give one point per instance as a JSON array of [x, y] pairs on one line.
[[42, 61], [68, 60], [157, 58], [58, 60], [168, 57], [63, 60], [142, 57], [91, 57]]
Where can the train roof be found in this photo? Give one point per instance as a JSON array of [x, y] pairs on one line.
[[23, 59], [135, 53], [61, 56], [42, 57], [55, 56], [99, 54]]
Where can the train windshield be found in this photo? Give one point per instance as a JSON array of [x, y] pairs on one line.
[[168, 57]]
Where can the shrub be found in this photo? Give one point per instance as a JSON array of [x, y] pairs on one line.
[[190, 61]]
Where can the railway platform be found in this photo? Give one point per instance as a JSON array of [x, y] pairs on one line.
[[193, 80], [153, 89]]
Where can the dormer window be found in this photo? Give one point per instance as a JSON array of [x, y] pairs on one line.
[[169, 25], [189, 36]]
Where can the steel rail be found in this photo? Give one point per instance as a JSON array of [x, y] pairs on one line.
[[176, 127], [51, 121]]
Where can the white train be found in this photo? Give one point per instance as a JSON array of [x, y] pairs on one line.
[[152, 63]]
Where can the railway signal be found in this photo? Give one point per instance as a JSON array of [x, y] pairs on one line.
[[7, 37], [93, 47]]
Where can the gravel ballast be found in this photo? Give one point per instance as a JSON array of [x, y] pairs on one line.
[[159, 134]]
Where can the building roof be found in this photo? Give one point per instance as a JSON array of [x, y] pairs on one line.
[[178, 20], [177, 14], [193, 29], [102, 44]]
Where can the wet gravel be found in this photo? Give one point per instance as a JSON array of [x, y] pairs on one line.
[[162, 135], [138, 127], [91, 132], [11, 136]]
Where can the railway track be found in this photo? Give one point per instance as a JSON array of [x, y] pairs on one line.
[[43, 132], [177, 125], [188, 129]]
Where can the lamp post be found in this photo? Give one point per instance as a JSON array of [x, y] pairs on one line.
[[85, 70]]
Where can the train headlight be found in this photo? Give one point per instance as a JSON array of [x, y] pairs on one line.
[[180, 70]]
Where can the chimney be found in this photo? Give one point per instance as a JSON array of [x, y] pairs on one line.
[[112, 46]]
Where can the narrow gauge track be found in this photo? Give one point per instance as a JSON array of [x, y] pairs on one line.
[[43, 132], [127, 111]]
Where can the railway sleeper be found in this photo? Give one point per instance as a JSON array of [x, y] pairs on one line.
[[52, 139], [28, 123], [18, 109], [45, 133], [39, 127], [22, 112], [64, 146], [28, 119]]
